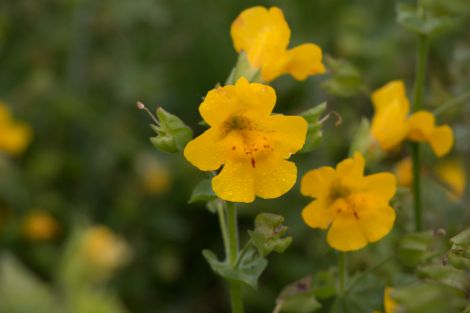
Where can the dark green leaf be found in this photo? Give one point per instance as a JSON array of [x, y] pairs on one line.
[[415, 248], [248, 269], [345, 79], [268, 232], [202, 192], [447, 275], [298, 297], [172, 133]]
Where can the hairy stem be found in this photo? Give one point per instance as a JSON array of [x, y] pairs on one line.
[[342, 271], [236, 288]]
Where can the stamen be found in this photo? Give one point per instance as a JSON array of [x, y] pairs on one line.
[[142, 106]]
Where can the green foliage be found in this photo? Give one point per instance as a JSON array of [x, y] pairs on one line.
[[202, 192], [459, 254], [248, 268], [314, 132], [345, 79], [266, 236], [415, 248], [243, 68], [298, 297], [172, 133], [427, 23]]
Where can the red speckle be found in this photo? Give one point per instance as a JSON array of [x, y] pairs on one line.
[[253, 163], [233, 148], [355, 215]]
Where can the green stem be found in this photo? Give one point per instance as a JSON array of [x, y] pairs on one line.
[[223, 227], [420, 75], [451, 103], [342, 271], [236, 288]]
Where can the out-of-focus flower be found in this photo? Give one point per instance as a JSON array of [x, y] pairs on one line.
[[391, 123], [263, 34], [39, 225], [252, 144], [354, 207], [404, 172], [155, 177], [452, 174], [104, 250], [389, 304], [14, 136]]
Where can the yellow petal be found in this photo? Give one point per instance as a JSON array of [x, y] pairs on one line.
[[376, 221], [301, 61], [381, 185], [452, 174], [389, 303], [345, 234], [317, 183], [235, 182], [389, 125], [421, 126], [441, 140], [287, 133], [273, 176], [16, 138], [385, 95], [317, 214], [404, 172], [204, 152], [263, 34], [219, 104], [255, 99], [353, 167]]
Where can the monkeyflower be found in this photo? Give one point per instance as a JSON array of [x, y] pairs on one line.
[[263, 34], [39, 225], [391, 123], [389, 304], [452, 173], [250, 143], [14, 136], [354, 207]]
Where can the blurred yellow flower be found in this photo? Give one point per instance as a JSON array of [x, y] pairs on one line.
[[389, 303], [104, 250], [452, 174], [354, 207], [39, 225], [252, 144], [263, 34], [154, 176], [391, 123], [404, 172], [14, 136]]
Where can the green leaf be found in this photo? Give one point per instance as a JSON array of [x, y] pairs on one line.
[[203, 192], [298, 297], [243, 68], [172, 133], [428, 297], [415, 248], [459, 254], [345, 80], [268, 232], [247, 270], [447, 275], [324, 284], [22, 292], [314, 132], [427, 23]]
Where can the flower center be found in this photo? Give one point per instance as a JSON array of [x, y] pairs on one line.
[[246, 139]]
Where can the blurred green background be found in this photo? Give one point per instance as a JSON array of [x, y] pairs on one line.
[[74, 69]]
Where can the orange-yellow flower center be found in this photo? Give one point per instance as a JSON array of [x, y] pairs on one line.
[[344, 201], [247, 139]]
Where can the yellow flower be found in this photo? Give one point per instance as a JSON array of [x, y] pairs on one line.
[[452, 174], [391, 123], [103, 249], [40, 225], [404, 172], [154, 176], [14, 136], [264, 36], [354, 207], [252, 144], [389, 304]]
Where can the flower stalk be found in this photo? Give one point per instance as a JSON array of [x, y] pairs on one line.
[[236, 288], [342, 271], [420, 75]]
